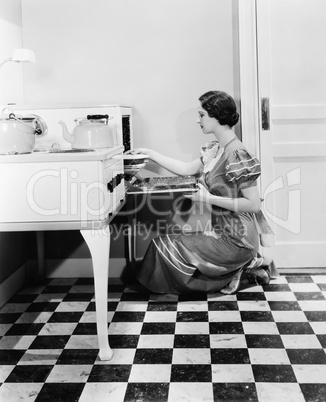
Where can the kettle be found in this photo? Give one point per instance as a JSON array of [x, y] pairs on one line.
[[90, 132]]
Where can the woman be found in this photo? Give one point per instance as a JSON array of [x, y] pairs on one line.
[[214, 260]]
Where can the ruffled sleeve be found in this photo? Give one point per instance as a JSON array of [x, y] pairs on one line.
[[242, 168]]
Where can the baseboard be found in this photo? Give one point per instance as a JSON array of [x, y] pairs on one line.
[[80, 268], [302, 271], [10, 286]]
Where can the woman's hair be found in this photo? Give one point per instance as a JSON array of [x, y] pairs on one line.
[[221, 106]]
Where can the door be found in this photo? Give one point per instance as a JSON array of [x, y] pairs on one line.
[[291, 56]]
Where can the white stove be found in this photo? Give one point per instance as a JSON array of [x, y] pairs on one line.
[[59, 188]]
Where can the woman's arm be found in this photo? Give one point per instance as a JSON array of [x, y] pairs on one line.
[[176, 166], [249, 202]]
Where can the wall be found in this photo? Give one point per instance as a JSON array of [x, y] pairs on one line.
[[13, 246], [157, 55]]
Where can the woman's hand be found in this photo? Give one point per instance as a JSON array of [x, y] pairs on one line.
[[202, 195], [136, 151]]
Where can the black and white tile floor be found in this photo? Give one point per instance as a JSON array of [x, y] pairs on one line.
[[262, 344]]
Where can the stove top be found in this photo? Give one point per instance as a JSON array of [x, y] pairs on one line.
[[63, 154]]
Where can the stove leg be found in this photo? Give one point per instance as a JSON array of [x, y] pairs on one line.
[[98, 242]]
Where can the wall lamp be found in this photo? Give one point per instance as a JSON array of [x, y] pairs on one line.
[[21, 56]]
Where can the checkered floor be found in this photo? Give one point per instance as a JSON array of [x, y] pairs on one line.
[[263, 344]]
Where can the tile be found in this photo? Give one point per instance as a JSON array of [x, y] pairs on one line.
[[16, 342], [40, 356], [268, 328], [307, 356], [43, 306], [251, 305], [162, 316], [84, 328], [13, 392], [228, 373], [191, 356], [273, 373], [14, 308], [223, 306], [163, 306], [69, 373], [268, 356], [280, 392], [191, 341], [120, 356], [50, 342], [110, 373], [68, 316], [191, 373], [193, 316], [291, 328], [236, 391], [103, 392], [318, 327], [62, 391], [192, 328], [153, 356], [304, 287], [10, 356], [81, 342], [280, 296], [314, 296], [37, 317], [72, 306], [191, 392], [313, 305], [289, 316], [49, 297], [29, 373], [192, 305], [78, 356], [157, 328], [132, 306], [147, 392], [149, 373], [315, 315], [4, 328], [230, 356], [156, 341], [300, 342], [58, 328], [128, 316], [123, 341], [284, 306], [314, 392], [305, 279], [228, 341], [5, 371], [254, 296], [311, 374], [264, 341], [224, 316], [258, 316], [124, 328]]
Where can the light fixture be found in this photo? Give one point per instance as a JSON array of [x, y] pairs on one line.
[[21, 56]]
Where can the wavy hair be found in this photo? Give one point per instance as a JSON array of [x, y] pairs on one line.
[[221, 106]]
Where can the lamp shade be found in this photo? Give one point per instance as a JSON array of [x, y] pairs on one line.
[[23, 55]]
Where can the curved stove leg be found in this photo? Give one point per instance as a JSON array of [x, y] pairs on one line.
[[98, 242]]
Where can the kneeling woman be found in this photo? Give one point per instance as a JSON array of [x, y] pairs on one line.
[[214, 260]]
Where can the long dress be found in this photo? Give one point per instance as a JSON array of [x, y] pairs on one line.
[[206, 261]]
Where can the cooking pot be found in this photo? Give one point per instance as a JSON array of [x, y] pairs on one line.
[[90, 132], [17, 134]]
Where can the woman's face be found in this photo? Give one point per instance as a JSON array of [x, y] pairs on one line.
[[207, 124]]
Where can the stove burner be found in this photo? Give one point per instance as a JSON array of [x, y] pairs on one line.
[[61, 151]]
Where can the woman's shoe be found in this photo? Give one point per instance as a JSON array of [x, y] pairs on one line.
[[258, 276], [233, 286]]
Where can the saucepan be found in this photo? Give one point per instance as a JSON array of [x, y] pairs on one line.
[[17, 134]]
